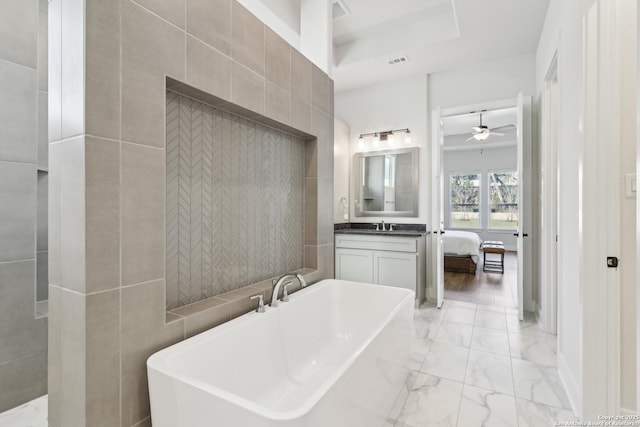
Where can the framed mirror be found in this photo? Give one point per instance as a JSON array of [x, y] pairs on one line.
[[386, 183]]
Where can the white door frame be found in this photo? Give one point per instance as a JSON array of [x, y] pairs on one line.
[[549, 206], [437, 176], [600, 210], [638, 220], [437, 220]]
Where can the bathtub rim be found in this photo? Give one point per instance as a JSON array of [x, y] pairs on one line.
[[158, 361]]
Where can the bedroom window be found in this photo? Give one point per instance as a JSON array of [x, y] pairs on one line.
[[465, 200], [503, 200]]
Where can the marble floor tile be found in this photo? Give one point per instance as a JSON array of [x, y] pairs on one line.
[[539, 383], [480, 407], [504, 301], [31, 414], [507, 367], [533, 414], [425, 328], [399, 403], [537, 348], [430, 314], [457, 334], [489, 371], [419, 349], [491, 319], [446, 361], [492, 308], [490, 340], [463, 304], [460, 315], [432, 401], [526, 326]]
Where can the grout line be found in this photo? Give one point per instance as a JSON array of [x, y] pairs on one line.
[[157, 16], [142, 145], [120, 259]]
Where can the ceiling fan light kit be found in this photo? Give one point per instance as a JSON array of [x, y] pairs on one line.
[[482, 132]]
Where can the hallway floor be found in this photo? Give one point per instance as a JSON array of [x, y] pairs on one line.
[[485, 288], [476, 365]]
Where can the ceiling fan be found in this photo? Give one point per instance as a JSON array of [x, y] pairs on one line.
[[482, 132]]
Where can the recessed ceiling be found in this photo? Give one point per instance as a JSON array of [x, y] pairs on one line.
[[436, 35]]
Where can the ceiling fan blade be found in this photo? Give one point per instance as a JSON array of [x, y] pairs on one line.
[[503, 127], [469, 139], [497, 133], [476, 129]]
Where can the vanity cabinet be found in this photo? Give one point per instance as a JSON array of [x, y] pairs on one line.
[[382, 260]]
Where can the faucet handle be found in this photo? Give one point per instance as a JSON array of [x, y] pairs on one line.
[[260, 308], [303, 282], [285, 293]]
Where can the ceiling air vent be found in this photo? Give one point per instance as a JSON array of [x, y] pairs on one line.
[[398, 60], [339, 9]]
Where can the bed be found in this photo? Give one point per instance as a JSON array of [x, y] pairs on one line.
[[461, 251]]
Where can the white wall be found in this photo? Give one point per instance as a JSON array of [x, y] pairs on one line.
[[341, 167], [304, 24], [480, 83], [278, 19], [287, 10], [563, 31], [628, 212], [391, 105], [583, 97], [481, 161]]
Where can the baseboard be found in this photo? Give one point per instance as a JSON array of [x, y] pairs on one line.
[[571, 386], [625, 411]]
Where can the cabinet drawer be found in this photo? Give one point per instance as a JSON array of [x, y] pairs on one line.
[[381, 243]]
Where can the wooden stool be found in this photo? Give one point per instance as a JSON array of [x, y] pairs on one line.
[[493, 266]]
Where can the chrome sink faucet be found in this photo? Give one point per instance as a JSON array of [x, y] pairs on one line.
[[275, 290]]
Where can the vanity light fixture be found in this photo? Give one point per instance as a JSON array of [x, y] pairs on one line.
[[388, 136], [391, 139]]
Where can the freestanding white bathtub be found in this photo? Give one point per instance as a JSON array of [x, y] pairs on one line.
[[334, 355]]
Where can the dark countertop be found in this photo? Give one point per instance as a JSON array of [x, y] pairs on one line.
[[402, 230]]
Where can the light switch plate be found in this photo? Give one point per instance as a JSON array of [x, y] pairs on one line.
[[631, 185]]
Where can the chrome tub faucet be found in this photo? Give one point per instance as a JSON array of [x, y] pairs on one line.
[[277, 284]]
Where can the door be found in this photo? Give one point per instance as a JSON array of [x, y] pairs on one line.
[[355, 265], [550, 200], [521, 208], [437, 213], [398, 269]]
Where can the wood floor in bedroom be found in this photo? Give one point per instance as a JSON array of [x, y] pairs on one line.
[[485, 288]]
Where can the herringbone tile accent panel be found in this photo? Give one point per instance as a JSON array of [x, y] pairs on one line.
[[235, 192]]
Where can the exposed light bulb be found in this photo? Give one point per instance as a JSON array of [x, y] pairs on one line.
[[407, 137], [376, 139], [391, 139]]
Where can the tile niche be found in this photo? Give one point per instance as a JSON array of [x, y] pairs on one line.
[[235, 199]]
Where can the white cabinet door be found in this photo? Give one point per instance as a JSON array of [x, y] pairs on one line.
[[397, 269], [354, 264]]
